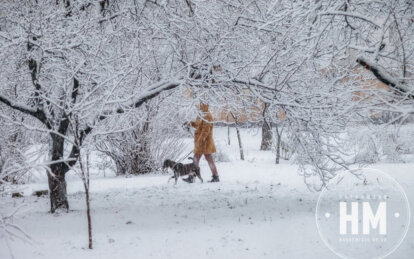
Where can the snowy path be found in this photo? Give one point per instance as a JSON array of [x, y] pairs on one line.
[[252, 213]]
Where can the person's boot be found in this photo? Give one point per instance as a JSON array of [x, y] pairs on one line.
[[215, 179], [189, 179]]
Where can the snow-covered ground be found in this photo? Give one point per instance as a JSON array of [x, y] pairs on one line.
[[258, 210]]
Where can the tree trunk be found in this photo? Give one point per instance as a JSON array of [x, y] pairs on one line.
[[56, 176], [238, 137], [228, 131], [266, 132], [266, 136], [279, 135], [88, 214], [58, 194], [240, 143]]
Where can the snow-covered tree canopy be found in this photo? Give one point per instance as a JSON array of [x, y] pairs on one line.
[[307, 58]]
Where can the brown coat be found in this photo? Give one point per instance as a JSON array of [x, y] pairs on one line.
[[203, 136]]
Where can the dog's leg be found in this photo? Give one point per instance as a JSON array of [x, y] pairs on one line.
[[176, 177], [192, 174], [199, 175], [170, 178]]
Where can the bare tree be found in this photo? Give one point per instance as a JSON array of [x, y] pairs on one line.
[[239, 139], [83, 170], [279, 132]]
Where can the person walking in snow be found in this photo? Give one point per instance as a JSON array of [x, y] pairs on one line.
[[203, 141]]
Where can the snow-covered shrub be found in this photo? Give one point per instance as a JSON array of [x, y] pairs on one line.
[[397, 143], [13, 142], [286, 150], [316, 155], [391, 146], [155, 135], [286, 147], [129, 151], [140, 151], [364, 146], [381, 143], [104, 163], [13, 158], [8, 229]]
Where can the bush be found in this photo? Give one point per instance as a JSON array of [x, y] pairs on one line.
[[143, 148], [364, 147], [382, 143]]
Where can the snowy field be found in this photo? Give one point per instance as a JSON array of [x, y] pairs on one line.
[[258, 210]]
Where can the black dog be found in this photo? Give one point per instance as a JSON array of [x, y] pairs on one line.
[[182, 169]]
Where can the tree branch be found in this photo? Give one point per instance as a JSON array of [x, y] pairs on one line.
[[64, 123], [39, 114], [109, 18], [353, 15], [189, 6], [74, 153], [148, 94], [255, 83], [383, 76]]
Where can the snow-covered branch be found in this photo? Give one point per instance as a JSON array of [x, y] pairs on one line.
[[147, 94], [353, 15], [383, 76], [24, 109]]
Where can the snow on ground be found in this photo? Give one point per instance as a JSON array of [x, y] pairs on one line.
[[258, 210]]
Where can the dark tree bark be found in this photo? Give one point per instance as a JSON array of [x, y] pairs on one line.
[[240, 143], [266, 131], [384, 77], [88, 214], [58, 194], [56, 174], [278, 144]]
